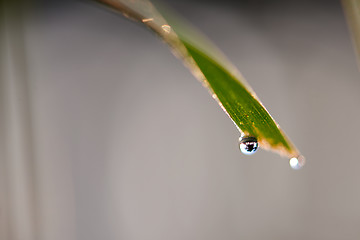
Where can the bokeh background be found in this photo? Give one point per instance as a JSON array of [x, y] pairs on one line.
[[106, 135]]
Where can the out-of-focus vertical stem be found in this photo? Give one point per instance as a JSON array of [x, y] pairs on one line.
[[17, 159], [4, 200], [352, 12]]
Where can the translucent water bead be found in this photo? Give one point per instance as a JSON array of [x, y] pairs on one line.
[[248, 145], [297, 162]]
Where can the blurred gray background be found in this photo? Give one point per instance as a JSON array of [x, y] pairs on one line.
[[126, 144]]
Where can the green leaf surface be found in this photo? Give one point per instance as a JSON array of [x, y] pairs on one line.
[[225, 84]]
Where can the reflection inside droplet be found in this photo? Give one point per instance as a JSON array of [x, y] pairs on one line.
[[166, 28], [248, 145], [297, 162]]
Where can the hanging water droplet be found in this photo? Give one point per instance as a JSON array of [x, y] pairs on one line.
[[297, 162], [248, 145]]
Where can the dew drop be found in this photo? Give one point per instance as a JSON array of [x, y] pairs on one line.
[[297, 162], [248, 145], [166, 28]]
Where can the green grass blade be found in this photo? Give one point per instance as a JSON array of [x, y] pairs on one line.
[[218, 75]]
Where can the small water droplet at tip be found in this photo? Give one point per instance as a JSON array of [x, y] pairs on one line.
[[248, 145], [297, 162]]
